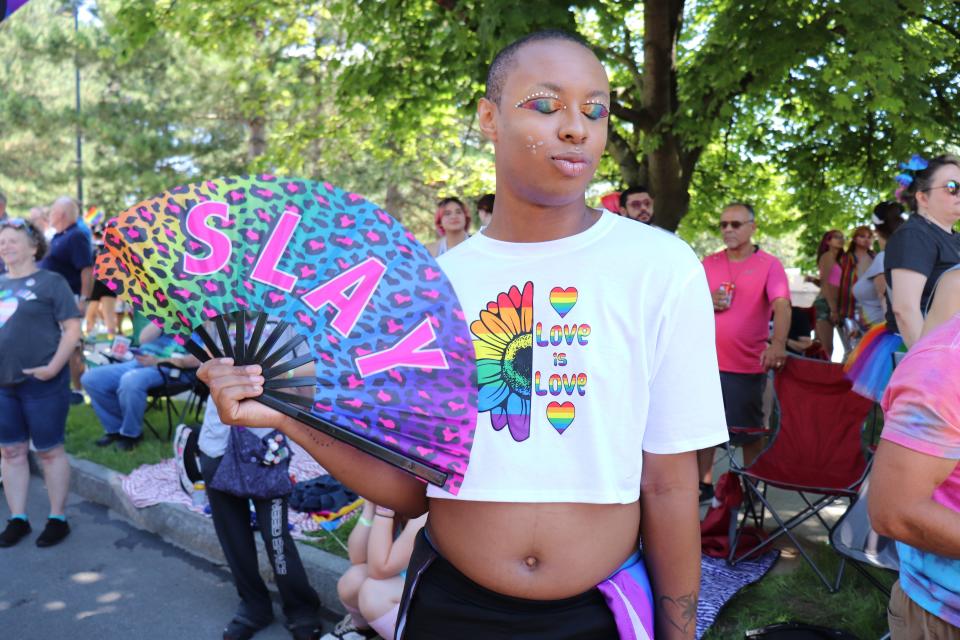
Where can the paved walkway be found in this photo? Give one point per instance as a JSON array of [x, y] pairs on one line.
[[109, 580]]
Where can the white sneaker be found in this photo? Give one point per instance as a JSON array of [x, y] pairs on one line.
[[347, 630]]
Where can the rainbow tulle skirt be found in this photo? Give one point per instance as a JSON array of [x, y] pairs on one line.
[[870, 365]]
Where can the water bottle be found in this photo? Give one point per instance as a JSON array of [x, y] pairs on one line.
[[199, 494]]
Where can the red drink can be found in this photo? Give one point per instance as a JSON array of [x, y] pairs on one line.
[[726, 290]]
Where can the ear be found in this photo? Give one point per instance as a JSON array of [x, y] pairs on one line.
[[922, 198], [487, 115]]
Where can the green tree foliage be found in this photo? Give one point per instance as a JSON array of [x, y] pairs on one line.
[[150, 118], [800, 107], [803, 107]]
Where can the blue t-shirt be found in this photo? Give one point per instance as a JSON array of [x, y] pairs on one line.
[[70, 253]]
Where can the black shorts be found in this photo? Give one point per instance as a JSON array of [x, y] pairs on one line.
[[743, 404], [445, 604], [101, 290]]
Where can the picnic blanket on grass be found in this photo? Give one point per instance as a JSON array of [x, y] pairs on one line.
[[719, 582], [151, 484]]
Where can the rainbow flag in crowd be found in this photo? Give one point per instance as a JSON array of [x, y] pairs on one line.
[[7, 7], [93, 217]]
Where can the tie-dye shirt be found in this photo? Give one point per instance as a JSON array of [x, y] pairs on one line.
[[922, 412]]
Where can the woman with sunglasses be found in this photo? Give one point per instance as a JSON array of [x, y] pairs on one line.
[[39, 328], [829, 253], [921, 250]]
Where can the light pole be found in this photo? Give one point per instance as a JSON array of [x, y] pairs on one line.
[[76, 68]]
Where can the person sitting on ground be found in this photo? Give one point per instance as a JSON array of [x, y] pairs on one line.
[[543, 534], [452, 221], [485, 210], [915, 483], [118, 392], [379, 547], [636, 203], [39, 326]]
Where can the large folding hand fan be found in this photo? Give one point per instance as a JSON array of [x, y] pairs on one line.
[[395, 369]]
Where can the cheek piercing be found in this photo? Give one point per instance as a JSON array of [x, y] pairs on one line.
[[531, 146]]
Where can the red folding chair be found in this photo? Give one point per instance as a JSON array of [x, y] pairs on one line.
[[816, 452]]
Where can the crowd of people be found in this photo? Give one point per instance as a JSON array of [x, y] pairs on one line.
[[542, 538]]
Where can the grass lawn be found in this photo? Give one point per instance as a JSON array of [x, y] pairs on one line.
[[83, 429], [799, 596], [795, 596]]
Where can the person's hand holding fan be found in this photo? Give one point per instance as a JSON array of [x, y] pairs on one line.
[[394, 363]]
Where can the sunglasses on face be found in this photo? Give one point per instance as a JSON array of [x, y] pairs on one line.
[[952, 187], [733, 224]]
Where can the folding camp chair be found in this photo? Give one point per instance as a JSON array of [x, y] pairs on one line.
[[854, 539], [175, 382], [816, 452]]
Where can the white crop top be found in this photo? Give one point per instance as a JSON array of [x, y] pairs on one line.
[[590, 350]]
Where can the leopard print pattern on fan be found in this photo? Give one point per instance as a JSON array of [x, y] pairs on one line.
[[428, 414]]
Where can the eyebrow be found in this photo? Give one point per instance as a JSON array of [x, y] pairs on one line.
[[549, 86]]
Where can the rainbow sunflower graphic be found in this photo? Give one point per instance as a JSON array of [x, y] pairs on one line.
[[504, 346]]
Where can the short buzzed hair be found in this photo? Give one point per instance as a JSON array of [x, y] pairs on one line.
[[745, 205], [505, 60], [72, 206]]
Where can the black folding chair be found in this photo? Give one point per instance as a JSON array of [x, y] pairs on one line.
[[176, 381]]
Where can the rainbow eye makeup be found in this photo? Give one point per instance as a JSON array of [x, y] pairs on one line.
[[550, 103], [544, 103], [594, 110]]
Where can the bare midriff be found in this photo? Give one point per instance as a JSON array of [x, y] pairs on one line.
[[539, 551]]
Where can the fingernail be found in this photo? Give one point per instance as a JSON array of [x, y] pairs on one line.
[[253, 368], [256, 379], [258, 389], [226, 360]]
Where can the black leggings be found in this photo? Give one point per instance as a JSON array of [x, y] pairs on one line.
[[446, 604], [231, 519]]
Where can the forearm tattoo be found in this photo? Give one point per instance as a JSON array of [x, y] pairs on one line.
[[319, 439], [680, 612]]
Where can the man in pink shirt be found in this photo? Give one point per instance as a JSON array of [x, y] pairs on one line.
[[746, 284]]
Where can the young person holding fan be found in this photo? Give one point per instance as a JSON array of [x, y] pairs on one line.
[[595, 392]]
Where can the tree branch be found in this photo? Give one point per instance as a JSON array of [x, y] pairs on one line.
[[640, 118]]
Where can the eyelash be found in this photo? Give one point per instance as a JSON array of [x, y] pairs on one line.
[[548, 105]]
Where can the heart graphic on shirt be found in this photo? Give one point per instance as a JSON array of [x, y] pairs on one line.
[[560, 415], [562, 300], [7, 309]]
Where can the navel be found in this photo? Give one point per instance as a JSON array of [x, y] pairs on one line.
[[531, 562]]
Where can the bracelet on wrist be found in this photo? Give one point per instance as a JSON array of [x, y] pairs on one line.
[[366, 522], [384, 513]]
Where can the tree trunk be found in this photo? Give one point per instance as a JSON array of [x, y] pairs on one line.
[[394, 201], [257, 144], [661, 30]]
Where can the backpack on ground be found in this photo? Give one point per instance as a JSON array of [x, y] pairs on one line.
[[186, 454]]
